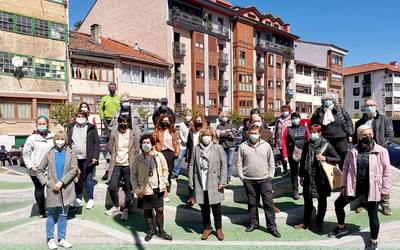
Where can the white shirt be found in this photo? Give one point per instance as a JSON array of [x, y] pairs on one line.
[[123, 149]]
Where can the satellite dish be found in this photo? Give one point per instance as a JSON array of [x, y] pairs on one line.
[[17, 61]]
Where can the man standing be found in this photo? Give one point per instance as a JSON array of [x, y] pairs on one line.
[[256, 168], [109, 104], [163, 109], [382, 127]]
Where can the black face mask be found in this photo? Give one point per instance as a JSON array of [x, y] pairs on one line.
[[164, 124], [198, 124], [366, 140], [112, 92], [123, 126]]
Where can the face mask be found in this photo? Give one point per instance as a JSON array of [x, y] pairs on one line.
[[125, 104], [296, 122], [206, 140], [314, 136], [198, 124], [84, 109], [366, 140], [42, 128], [123, 126], [80, 120], [285, 114], [112, 91], [224, 119], [164, 124], [60, 143], [253, 138], [370, 109], [164, 107], [258, 124], [328, 103], [146, 148], [188, 118]]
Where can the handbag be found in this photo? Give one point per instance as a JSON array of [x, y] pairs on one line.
[[332, 172], [297, 154]]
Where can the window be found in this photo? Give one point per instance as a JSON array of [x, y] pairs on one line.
[[199, 74], [242, 59], [137, 75], [7, 110], [199, 45], [299, 69], [43, 109], [234, 57], [92, 100], [245, 107], [200, 99], [388, 100], [278, 65], [336, 76], [6, 21], [41, 28], [307, 71], [57, 31], [303, 89], [356, 104], [24, 111], [319, 91], [356, 79], [388, 87], [367, 91], [270, 84], [57, 70], [220, 20], [213, 103], [15, 110], [356, 91], [278, 104], [245, 83], [367, 79], [337, 60], [270, 60], [278, 84], [42, 68], [212, 72], [24, 25]]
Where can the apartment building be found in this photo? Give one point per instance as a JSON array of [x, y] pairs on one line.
[[323, 56], [311, 84], [193, 36], [378, 81], [96, 61], [33, 63], [263, 61]]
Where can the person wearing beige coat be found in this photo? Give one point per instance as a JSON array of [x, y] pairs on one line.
[[150, 181]]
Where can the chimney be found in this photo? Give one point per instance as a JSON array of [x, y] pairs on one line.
[[136, 46], [95, 31], [394, 63]]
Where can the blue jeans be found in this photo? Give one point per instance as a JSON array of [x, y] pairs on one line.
[[56, 215], [230, 156], [86, 178], [178, 162]]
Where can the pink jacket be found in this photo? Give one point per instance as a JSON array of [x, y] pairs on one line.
[[379, 179]]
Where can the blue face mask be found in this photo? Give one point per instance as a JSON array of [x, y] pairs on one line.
[[42, 128], [370, 109], [253, 138], [314, 137], [328, 103], [295, 121], [164, 107], [285, 114]]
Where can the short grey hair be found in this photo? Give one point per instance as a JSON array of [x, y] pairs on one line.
[[329, 96], [361, 129], [222, 114]]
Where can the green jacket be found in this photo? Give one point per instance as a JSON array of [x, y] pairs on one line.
[[108, 106]]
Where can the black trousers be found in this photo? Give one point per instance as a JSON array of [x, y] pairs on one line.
[[85, 178], [205, 213], [170, 157], [372, 208], [121, 176], [4, 162], [39, 194], [255, 188], [341, 146], [294, 174], [308, 208]]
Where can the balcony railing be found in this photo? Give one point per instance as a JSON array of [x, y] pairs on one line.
[[195, 22], [179, 49], [289, 73], [260, 68], [260, 90], [223, 85], [274, 47], [180, 79], [223, 59]]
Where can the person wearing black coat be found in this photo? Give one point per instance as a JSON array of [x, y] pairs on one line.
[[313, 178], [84, 141], [163, 109]]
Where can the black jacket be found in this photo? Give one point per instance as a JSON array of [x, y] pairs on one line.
[[382, 127], [159, 112], [227, 140], [92, 141]]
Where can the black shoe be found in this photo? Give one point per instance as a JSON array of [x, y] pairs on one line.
[[164, 236], [149, 235], [372, 246], [174, 177], [105, 176], [251, 228], [338, 232], [319, 229], [274, 232]]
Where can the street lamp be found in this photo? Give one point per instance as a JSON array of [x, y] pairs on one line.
[[18, 62]]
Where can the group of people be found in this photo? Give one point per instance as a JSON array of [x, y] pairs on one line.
[[143, 164]]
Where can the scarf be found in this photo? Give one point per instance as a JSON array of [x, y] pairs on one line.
[[328, 116], [205, 156], [42, 134], [313, 149]]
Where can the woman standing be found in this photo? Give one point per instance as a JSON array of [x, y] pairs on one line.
[[84, 141], [84, 107], [167, 143], [207, 176], [313, 178], [365, 174], [61, 167], [184, 128], [35, 148], [150, 181], [293, 139], [192, 142], [124, 146]]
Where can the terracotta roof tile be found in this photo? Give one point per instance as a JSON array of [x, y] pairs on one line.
[[82, 42], [368, 67]]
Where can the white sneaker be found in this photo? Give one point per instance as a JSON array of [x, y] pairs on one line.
[[52, 244], [90, 204], [65, 244], [113, 211], [77, 203], [166, 199]]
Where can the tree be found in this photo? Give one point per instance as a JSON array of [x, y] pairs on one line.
[[63, 113], [143, 112], [268, 117], [196, 112], [236, 118], [77, 25]]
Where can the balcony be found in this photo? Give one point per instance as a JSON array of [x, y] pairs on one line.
[[193, 22], [179, 80], [260, 91], [260, 67], [289, 73], [223, 86], [269, 46], [223, 59], [179, 49]]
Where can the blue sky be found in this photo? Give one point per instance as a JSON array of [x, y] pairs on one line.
[[369, 29]]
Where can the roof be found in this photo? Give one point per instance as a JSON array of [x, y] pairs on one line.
[[80, 42], [324, 44], [368, 67]]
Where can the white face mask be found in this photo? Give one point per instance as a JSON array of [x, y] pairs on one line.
[[125, 104], [224, 119], [80, 120], [60, 143], [258, 124], [206, 140], [146, 148], [84, 109], [188, 118]]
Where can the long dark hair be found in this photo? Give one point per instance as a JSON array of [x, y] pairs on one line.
[[171, 127], [87, 105]]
